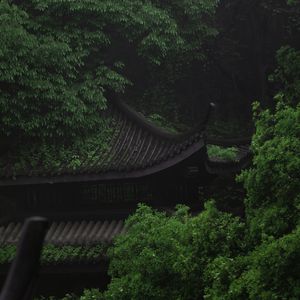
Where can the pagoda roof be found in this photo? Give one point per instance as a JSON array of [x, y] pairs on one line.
[[66, 242], [68, 233], [136, 148]]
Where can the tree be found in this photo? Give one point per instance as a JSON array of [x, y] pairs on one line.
[[58, 58], [273, 184], [61, 59], [269, 269], [164, 256]]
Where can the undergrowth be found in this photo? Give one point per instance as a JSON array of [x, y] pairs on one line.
[[222, 153]]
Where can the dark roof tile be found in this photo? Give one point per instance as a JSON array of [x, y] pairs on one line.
[[135, 145], [75, 233]]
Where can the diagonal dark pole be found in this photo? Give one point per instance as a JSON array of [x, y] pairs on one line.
[[19, 281]]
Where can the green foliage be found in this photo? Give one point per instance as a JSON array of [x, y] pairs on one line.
[[61, 59], [52, 254], [292, 2], [45, 89], [222, 153], [160, 121], [92, 294], [7, 254], [58, 58], [37, 157], [271, 271], [273, 183], [161, 87], [288, 74], [164, 257]]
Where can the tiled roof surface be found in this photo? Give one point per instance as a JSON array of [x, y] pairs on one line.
[[75, 233], [136, 148]]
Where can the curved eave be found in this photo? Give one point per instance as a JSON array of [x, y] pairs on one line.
[[155, 130], [110, 175]]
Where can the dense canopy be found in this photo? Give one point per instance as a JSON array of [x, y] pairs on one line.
[[58, 58], [61, 64]]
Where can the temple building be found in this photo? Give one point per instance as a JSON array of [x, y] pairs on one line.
[[142, 163], [87, 205]]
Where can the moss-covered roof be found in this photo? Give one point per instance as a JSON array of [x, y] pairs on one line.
[[65, 241], [129, 147]]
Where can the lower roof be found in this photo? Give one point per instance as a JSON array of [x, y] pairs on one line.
[[68, 233]]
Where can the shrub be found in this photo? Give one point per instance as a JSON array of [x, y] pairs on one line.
[[222, 153], [164, 257], [271, 271]]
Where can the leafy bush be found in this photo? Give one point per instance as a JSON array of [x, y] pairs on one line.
[[37, 157], [160, 121], [164, 257], [7, 254], [222, 153], [287, 74], [273, 183], [92, 294], [52, 254], [271, 271], [270, 268]]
